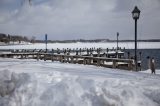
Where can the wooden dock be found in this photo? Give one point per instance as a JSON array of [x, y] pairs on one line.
[[97, 58]]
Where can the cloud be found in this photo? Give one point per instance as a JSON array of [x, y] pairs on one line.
[[75, 19]]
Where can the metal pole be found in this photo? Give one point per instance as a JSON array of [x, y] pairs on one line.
[[46, 46], [117, 43], [46, 41], [136, 43]]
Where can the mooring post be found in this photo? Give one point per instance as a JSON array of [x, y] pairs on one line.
[[76, 51], [114, 64], [52, 55], [84, 61], [90, 50], [45, 57], [87, 52], [72, 59], [128, 55], [21, 56], [80, 51], [140, 62], [98, 62], [124, 49], [99, 52], [107, 50], [89, 60], [61, 58], [130, 65], [38, 56]]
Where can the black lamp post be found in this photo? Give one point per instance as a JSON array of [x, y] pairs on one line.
[[135, 15], [117, 43]]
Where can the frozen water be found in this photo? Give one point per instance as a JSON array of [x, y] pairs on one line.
[[32, 83], [127, 45]]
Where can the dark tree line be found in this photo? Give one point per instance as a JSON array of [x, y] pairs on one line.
[[13, 38]]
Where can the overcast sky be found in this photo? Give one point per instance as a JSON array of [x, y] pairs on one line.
[[79, 19]]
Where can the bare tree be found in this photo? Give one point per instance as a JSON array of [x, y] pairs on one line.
[[33, 39]]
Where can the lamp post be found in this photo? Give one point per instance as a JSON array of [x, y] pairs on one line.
[[135, 15], [117, 43]]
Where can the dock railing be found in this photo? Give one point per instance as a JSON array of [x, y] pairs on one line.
[[73, 58]]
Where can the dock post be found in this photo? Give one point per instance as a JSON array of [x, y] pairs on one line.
[[21, 56], [114, 64], [130, 65], [61, 58], [90, 50], [107, 50], [98, 62], [128, 55], [84, 61], [25, 54], [80, 51], [87, 52], [44, 57], [6, 56], [52, 55], [89, 61], [77, 51], [98, 51], [38, 56], [68, 56], [72, 60], [102, 62], [76, 59], [140, 64]]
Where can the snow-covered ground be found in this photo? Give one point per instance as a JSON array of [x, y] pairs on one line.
[[2, 43], [32, 83], [127, 45]]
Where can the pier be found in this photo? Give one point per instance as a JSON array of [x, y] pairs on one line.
[[97, 57]]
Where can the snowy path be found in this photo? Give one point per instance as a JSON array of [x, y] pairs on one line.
[[58, 84]]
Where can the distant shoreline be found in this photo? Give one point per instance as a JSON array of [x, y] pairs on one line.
[[53, 42], [4, 44], [94, 41]]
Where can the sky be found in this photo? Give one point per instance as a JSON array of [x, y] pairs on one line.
[[79, 19]]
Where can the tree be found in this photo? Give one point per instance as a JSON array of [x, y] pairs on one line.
[[33, 39]]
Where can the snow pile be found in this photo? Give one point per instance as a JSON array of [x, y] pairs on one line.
[[13, 87], [30, 83]]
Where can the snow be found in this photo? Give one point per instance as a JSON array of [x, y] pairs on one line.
[[127, 45], [2, 43], [45, 83], [149, 71]]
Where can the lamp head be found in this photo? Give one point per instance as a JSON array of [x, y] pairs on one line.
[[136, 13]]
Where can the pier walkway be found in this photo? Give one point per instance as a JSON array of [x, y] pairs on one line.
[[109, 59]]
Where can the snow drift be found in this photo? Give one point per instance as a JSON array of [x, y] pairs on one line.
[[54, 84]]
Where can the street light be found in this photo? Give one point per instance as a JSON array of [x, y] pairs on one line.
[[135, 15], [117, 43]]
